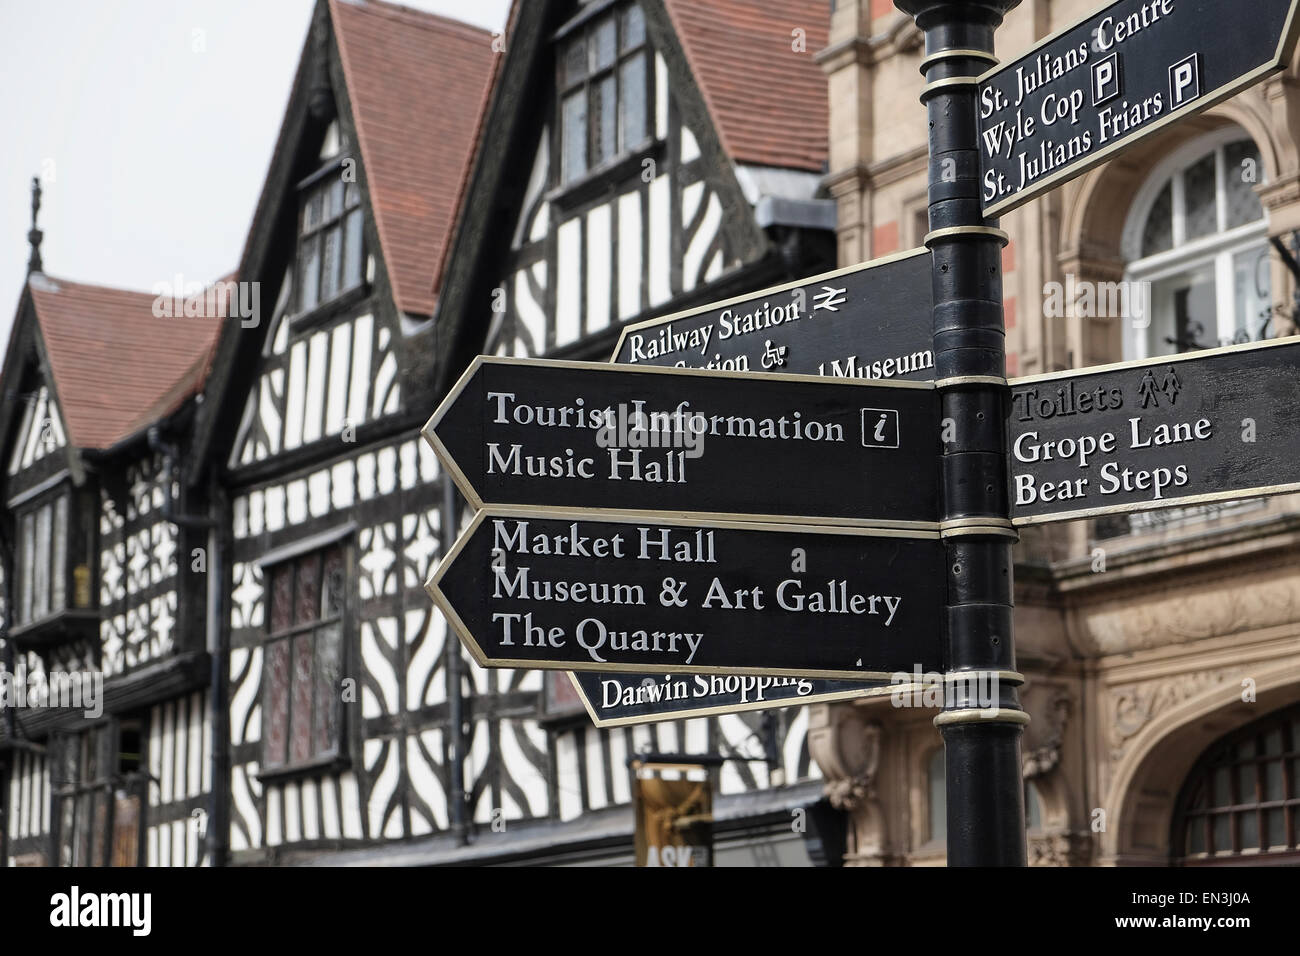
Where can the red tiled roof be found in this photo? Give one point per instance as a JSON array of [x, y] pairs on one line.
[[418, 84], [117, 367], [768, 102]]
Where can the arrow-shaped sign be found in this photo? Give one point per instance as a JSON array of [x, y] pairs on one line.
[[616, 700], [581, 591], [868, 321], [1115, 78], [1179, 430], [537, 434]]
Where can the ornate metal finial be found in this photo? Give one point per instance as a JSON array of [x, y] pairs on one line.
[[34, 235]]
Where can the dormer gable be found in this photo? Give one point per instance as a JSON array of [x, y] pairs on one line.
[[640, 157], [349, 231]]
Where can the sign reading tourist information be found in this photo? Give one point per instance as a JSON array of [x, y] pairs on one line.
[[1178, 430], [580, 591], [870, 321], [1114, 78], [615, 700], [663, 441]]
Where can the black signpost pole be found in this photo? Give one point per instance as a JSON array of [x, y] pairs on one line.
[[986, 823]]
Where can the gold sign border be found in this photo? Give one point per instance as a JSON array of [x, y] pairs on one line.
[[434, 590], [1281, 57], [761, 293], [471, 494], [1262, 491], [871, 691]]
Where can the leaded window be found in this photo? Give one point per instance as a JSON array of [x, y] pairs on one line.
[[303, 659], [1201, 248], [330, 247], [97, 791], [604, 70], [1242, 799], [42, 560]]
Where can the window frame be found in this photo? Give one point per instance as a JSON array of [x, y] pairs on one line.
[[99, 793], [1217, 250], [336, 754], [25, 581], [584, 26], [1224, 753], [319, 184]]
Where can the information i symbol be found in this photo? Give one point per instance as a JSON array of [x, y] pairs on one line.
[[879, 428]]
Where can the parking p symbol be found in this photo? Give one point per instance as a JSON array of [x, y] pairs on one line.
[[1184, 81], [1105, 80]]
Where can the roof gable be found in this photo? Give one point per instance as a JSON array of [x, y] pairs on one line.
[[117, 367], [702, 45], [41, 432], [383, 73], [417, 84], [768, 99]]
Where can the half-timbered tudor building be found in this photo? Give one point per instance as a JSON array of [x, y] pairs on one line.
[[656, 200], [636, 163], [240, 545], [105, 736]]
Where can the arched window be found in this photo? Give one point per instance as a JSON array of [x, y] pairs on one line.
[[1198, 235], [1242, 799]]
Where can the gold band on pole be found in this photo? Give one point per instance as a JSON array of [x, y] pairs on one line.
[[970, 380], [952, 82], [987, 231], [981, 55], [1001, 715]]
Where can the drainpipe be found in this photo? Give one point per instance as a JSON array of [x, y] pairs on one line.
[[219, 648], [455, 701], [216, 638]]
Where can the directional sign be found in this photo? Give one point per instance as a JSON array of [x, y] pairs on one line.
[[666, 441], [615, 700], [1115, 78], [581, 591], [870, 321], [1178, 430]]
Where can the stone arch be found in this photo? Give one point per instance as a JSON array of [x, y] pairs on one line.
[[1095, 207], [1146, 780]]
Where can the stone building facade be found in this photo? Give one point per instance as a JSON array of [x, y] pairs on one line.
[[1161, 652]]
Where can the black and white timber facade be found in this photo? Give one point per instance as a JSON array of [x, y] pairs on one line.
[[245, 566]]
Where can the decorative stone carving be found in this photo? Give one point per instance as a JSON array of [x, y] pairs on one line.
[[1049, 707], [849, 793], [1060, 849], [1188, 615], [847, 747], [1133, 705]]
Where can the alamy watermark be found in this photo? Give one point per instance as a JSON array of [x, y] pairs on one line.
[[219, 300], [634, 427], [936, 691], [1084, 299], [67, 690]]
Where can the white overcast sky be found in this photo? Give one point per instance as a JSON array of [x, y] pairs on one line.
[[151, 153]]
